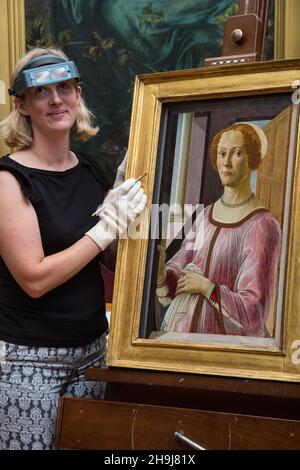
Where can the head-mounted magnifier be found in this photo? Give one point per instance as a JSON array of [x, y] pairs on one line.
[[44, 70]]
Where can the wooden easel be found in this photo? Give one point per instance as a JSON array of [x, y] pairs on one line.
[[244, 34], [166, 410]]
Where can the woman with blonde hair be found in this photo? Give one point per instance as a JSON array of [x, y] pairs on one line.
[[52, 309], [223, 278]]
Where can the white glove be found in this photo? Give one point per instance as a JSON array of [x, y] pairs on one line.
[[120, 177], [121, 206]]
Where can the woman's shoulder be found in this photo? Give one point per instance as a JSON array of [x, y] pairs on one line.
[[10, 165], [10, 161], [264, 225], [12, 174], [202, 213], [263, 215], [5, 158], [93, 164], [7, 176], [206, 211], [86, 158]]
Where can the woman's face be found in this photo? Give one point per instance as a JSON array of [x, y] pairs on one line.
[[232, 159], [51, 108]]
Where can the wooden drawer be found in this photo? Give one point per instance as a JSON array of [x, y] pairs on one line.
[[96, 424]]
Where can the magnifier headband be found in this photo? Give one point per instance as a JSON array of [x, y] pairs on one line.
[[44, 70]]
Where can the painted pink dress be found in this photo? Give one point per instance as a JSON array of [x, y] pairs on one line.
[[242, 260]]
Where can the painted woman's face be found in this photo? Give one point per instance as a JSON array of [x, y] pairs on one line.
[[232, 159]]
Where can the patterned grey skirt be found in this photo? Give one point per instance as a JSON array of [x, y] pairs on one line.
[[31, 382]]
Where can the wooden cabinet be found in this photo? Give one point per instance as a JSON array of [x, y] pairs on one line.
[[144, 410], [89, 424]]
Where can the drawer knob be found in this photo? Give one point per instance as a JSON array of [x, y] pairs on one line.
[[189, 442]]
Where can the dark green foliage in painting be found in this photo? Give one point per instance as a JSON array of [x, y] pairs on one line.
[[114, 40], [150, 17], [231, 11]]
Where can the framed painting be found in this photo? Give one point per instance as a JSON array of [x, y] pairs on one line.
[[206, 280]]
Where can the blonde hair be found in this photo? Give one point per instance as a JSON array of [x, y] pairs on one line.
[[16, 129]]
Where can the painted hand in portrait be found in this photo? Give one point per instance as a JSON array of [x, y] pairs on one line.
[[224, 282]]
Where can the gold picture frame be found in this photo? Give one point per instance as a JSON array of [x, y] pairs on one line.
[[155, 98]]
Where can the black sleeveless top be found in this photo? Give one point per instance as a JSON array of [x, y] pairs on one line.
[[72, 314]]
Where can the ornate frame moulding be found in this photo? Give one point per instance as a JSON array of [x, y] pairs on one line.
[[156, 95]]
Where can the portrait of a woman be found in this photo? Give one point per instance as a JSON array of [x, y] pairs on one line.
[[224, 282]]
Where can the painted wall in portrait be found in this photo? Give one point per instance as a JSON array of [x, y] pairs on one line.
[[113, 40]]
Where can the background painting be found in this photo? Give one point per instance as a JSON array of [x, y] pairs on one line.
[[114, 40]]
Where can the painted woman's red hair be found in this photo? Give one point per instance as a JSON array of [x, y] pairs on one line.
[[251, 141]]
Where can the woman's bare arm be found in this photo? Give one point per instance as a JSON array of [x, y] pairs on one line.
[[21, 246]]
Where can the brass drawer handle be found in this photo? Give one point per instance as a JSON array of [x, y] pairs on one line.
[[187, 441]]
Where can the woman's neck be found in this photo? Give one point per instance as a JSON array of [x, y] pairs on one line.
[[58, 156], [235, 204], [236, 194], [49, 154]]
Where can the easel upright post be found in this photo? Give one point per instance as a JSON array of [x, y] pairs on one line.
[[244, 34]]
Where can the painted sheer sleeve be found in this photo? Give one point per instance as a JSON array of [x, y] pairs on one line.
[[246, 308], [183, 256]]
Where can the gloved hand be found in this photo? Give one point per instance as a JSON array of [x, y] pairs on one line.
[[121, 206], [120, 177]]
